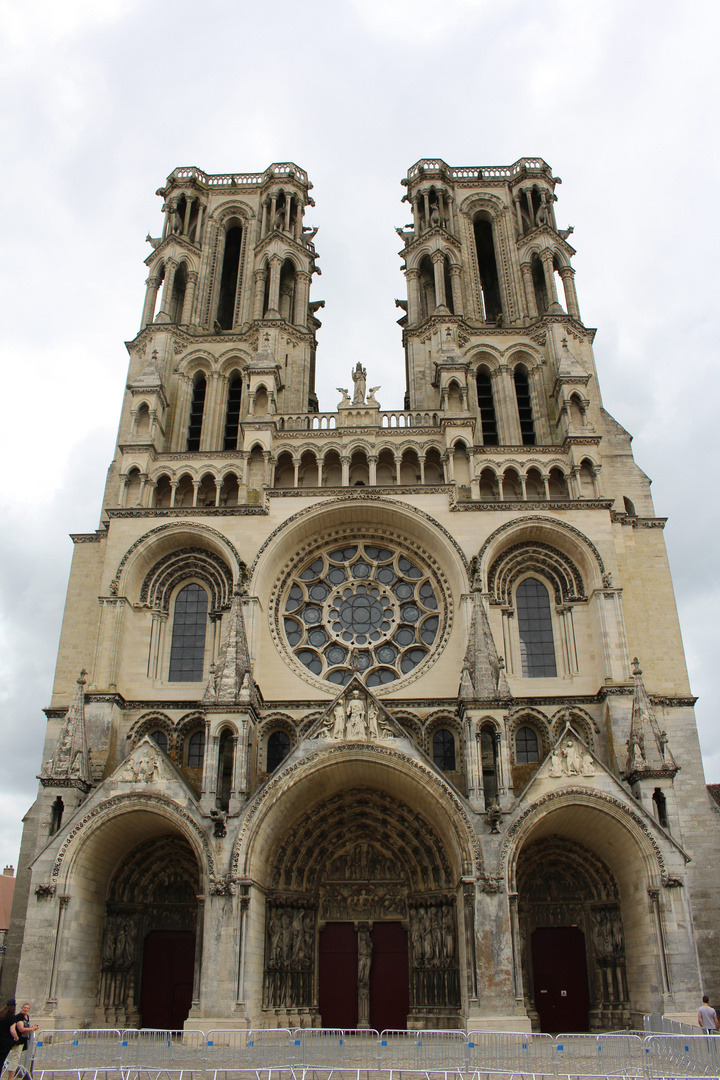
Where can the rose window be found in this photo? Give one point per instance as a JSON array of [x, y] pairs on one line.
[[361, 609]]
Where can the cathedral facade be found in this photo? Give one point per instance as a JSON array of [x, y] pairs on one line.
[[348, 726]]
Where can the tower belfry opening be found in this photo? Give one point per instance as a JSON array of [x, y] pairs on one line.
[[358, 738]]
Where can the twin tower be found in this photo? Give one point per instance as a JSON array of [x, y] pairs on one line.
[[348, 726]]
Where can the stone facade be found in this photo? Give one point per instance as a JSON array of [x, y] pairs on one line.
[[358, 736]]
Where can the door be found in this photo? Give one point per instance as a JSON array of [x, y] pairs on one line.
[[560, 978], [338, 975], [389, 977], [167, 979]]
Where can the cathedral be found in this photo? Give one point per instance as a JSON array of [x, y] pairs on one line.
[[368, 717]]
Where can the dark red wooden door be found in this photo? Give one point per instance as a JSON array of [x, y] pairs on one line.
[[560, 978], [338, 973], [167, 979], [389, 977]]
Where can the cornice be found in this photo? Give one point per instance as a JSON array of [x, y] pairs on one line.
[[532, 505], [89, 538], [619, 517], [187, 511]]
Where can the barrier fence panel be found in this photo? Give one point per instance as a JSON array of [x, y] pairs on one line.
[[168, 1051], [358, 1048], [684, 1055], [442, 1049], [605, 1055], [54, 1049], [399, 1049], [510, 1051], [268, 1048]]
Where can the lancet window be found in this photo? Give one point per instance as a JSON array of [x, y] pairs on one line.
[[524, 404], [278, 748], [526, 746], [443, 747], [196, 750], [486, 404], [229, 277], [232, 414], [537, 646], [226, 763], [487, 266], [187, 652], [197, 409]]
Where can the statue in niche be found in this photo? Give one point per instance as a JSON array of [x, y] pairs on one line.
[[338, 730], [573, 761], [588, 765], [355, 717], [372, 719], [434, 216], [448, 932], [359, 378]]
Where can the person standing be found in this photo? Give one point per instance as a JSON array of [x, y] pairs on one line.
[[707, 1017], [22, 1029], [7, 1019]]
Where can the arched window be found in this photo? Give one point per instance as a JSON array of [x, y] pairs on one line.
[[232, 416], [278, 748], [196, 413], [426, 283], [187, 652], [488, 759], [160, 739], [526, 746], [56, 815], [487, 265], [226, 762], [229, 278], [486, 404], [444, 750], [537, 648], [524, 404], [177, 301], [196, 750], [660, 803]]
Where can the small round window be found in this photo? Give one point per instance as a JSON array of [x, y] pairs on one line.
[[362, 609]]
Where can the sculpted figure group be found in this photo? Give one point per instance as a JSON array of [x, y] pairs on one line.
[[432, 936], [570, 760], [356, 719]]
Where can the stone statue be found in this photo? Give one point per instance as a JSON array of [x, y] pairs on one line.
[[345, 396], [338, 730], [588, 765], [555, 763], [371, 399], [359, 378], [573, 762], [372, 719], [355, 717]]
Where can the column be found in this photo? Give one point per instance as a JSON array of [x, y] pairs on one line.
[[319, 472], [571, 302], [546, 485], [122, 494], [273, 207], [159, 619], [173, 491], [296, 471], [260, 279], [208, 439], [151, 289], [438, 259], [288, 207], [426, 208], [345, 463], [263, 224], [546, 257], [170, 268], [372, 469], [189, 300], [412, 277], [188, 210], [398, 465], [596, 480], [299, 221], [507, 615], [269, 466], [421, 460], [416, 213], [302, 293], [274, 298], [518, 213], [198, 226], [575, 487], [196, 488], [530, 300], [456, 284], [451, 465], [507, 415]]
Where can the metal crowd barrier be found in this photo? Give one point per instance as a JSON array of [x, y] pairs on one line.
[[657, 1024], [314, 1053], [510, 1052]]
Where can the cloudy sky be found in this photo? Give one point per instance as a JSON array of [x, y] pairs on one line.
[[101, 100]]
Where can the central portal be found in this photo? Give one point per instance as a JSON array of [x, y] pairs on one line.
[[349, 994], [361, 923]]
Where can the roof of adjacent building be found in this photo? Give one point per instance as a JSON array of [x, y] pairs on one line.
[[714, 790], [7, 888]]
